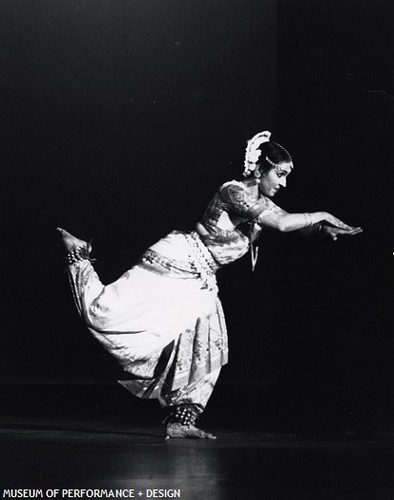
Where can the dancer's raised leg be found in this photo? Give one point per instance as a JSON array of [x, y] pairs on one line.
[[85, 283], [74, 246]]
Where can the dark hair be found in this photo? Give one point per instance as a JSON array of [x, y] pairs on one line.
[[275, 153]]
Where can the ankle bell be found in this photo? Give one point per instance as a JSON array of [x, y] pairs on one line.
[[185, 414], [77, 255]]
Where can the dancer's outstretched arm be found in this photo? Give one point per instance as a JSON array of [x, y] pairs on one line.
[[283, 221]]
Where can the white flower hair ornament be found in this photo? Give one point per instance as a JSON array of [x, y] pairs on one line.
[[253, 153]]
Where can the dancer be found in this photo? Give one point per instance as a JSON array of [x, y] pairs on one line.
[[162, 319]]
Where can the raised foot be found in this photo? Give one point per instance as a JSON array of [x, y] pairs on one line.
[[71, 243], [177, 430]]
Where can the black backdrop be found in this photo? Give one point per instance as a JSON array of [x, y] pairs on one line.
[[120, 119]]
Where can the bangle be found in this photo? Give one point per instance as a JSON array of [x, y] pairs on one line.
[[308, 219]]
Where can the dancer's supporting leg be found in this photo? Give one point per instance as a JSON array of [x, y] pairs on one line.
[[186, 405]]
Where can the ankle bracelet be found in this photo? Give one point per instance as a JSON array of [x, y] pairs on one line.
[[77, 255], [184, 414]]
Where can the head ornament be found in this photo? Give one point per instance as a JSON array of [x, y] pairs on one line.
[[252, 153]]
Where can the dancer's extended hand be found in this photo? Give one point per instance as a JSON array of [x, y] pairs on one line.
[[330, 220], [334, 232]]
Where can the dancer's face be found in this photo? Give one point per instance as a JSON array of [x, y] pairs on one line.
[[274, 179]]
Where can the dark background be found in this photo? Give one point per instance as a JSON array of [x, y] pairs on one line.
[[119, 119]]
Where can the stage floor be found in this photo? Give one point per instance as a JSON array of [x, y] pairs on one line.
[[237, 465], [58, 450]]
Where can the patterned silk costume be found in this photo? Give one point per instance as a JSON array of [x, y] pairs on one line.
[[162, 319]]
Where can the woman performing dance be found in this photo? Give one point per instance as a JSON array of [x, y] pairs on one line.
[[163, 320]]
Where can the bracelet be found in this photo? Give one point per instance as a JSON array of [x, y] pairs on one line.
[[308, 219]]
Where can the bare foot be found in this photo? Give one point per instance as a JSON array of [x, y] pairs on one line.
[[71, 243], [177, 430]]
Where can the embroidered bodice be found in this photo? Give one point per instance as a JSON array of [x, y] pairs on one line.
[[231, 207]]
